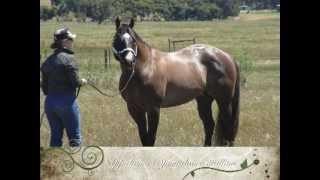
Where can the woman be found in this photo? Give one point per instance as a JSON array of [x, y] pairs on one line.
[[60, 81]]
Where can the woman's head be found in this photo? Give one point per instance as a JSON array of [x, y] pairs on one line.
[[63, 38]]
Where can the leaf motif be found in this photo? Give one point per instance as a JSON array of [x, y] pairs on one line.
[[244, 164], [192, 173]]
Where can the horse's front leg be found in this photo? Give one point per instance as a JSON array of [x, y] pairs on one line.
[[139, 117], [153, 121]]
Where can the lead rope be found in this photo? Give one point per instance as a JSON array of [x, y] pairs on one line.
[[121, 90]]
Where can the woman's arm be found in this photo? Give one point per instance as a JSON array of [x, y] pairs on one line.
[[44, 83], [72, 71], [44, 79]]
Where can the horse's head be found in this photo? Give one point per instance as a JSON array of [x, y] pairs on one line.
[[124, 44]]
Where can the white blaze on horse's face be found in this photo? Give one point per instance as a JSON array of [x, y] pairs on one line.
[[125, 36], [130, 56]]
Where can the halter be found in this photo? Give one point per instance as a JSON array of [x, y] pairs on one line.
[[118, 53], [135, 52]]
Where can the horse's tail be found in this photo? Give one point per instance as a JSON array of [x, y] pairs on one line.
[[226, 135], [236, 104]]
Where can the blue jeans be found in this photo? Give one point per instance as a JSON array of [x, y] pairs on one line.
[[62, 111]]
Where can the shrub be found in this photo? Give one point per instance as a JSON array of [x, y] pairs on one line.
[[69, 17], [81, 17], [246, 66], [47, 13]]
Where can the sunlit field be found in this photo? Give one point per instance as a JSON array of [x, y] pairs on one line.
[[105, 121]]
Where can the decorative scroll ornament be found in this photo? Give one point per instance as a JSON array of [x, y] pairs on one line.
[[243, 166], [91, 157]]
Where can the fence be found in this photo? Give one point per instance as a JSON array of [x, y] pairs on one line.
[[174, 42], [107, 58], [108, 52]]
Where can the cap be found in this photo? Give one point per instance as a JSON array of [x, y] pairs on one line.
[[63, 33]]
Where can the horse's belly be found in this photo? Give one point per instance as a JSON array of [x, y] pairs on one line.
[[176, 96]]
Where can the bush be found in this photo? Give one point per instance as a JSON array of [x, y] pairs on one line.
[[81, 17], [69, 17], [246, 66], [207, 11], [47, 13]]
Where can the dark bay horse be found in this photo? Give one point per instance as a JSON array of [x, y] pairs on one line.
[[152, 79]]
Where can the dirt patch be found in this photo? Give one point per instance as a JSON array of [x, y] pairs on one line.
[[257, 17]]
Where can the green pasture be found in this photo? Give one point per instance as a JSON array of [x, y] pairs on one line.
[[253, 37]]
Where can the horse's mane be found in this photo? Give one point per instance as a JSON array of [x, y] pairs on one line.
[[138, 38]]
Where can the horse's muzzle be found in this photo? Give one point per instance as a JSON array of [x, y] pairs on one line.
[[129, 58]]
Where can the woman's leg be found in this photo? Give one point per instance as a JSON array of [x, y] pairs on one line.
[[71, 121], [55, 124]]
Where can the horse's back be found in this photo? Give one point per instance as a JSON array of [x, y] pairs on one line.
[[198, 50], [217, 63], [205, 54], [214, 54]]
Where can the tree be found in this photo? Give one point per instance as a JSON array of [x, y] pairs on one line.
[[229, 7], [46, 13], [103, 11], [55, 2], [206, 11], [261, 4], [99, 10], [62, 9]]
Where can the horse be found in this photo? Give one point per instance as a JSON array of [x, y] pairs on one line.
[[152, 79]]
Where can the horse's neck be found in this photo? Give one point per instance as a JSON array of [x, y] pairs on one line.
[[144, 53], [146, 64]]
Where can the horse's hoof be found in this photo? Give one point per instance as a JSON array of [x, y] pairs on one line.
[[230, 143]]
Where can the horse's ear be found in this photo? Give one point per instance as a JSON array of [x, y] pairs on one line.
[[131, 23], [117, 22]]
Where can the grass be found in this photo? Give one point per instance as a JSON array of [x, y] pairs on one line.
[[106, 122], [45, 3]]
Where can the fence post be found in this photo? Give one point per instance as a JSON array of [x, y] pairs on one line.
[[174, 45], [105, 59], [109, 57], [173, 42]]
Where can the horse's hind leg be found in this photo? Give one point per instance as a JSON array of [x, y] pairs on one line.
[[139, 117], [205, 113]]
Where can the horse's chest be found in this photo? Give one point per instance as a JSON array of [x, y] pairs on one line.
[[141, 96]]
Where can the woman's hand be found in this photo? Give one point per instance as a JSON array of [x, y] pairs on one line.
[[83, 82]]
